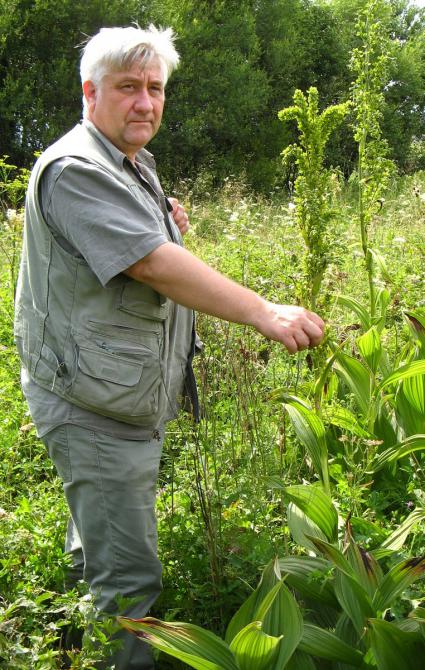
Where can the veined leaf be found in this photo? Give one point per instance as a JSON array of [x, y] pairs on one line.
[[253, 648], [300, 661], [324, 644], [407, 446], [370, 347], [191, 644], [317, 505], [365, 566], [416, 321], [343, 418], [357, 378], [357, 308], [396, 581], [393, 648], [354, 600], [334, 555], [402, 373], [414, 392], [310, 431], [247, 613], [395, 541], [284, 618], [310, 577], [302, 527]]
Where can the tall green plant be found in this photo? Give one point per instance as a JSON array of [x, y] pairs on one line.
[[369, 64], [315, 212]]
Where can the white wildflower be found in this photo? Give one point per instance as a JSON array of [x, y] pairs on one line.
[[234, 216], [399, 240], [291, 206], [10, 214]]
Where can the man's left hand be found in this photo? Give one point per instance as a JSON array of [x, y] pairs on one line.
[[180, 217]]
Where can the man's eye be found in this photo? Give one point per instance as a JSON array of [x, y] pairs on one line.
[[128, 87]]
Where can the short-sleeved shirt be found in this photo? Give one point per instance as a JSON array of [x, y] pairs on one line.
[[92, 217]]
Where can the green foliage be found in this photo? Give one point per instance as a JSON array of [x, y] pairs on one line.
[[370, 64], [313, 188]]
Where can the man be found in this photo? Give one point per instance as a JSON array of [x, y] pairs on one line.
[[104, 320]]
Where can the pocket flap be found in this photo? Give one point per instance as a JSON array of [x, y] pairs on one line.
[[102, 365]]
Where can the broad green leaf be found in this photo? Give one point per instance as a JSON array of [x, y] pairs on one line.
[[393, 648], [310, 431], [414, 392], [396, 581], [405, 372], [191, 644], [368, 571], [324, 644], [334, 555], [300, 661], [343, 418], [370, 347], [253, 648], [317, 505], [357, 308], [310, 577], [302, 527], [284, 618], [354, 600], [248, 611], [395, 541], [357, 378], [407, 446]]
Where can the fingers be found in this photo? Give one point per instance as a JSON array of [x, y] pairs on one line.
[[295, 327], [180, 216]]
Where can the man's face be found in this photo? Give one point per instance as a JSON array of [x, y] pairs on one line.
[[127, 106]]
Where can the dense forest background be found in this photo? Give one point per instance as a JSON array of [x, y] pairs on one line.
[[241, 63]]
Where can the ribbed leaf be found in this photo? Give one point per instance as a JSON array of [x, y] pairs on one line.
[[334, 555], [301, 528], [191, 644], [357, 308], [407, 446], [357, 378], [300, 661], [318, 506], [396, 581], [368, 571], [370, 347], [395, 541], [354, 600], [343, 418], [248, 611], [414, 392], [310, 431], [324, 644], [253, 648], [416, 321], [393, 648], [284, 618], [310, 577], [406, 371]]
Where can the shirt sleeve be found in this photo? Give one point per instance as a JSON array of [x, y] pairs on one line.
[[99, 217]]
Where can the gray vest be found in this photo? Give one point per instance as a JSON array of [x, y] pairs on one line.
[[105, 349]]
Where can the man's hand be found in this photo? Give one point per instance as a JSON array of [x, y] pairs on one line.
[[180, 217], [295, 327]]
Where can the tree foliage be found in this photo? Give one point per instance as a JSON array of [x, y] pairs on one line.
[[241, 63]]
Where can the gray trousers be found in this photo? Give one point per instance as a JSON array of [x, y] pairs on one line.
[[110, 486]]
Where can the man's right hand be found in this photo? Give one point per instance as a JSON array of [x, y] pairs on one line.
[[295, 327]]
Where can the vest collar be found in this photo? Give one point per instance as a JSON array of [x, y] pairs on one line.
[[118, 157]]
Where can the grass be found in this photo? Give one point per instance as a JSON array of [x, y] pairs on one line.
[[219, 520]]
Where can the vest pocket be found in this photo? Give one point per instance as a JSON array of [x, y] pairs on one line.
[[118, 379]]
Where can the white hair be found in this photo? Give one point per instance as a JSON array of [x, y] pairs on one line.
[[117, 49]]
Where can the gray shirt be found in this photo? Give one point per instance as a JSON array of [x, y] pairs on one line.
[[92, 217]]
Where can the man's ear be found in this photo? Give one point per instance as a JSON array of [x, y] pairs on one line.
[[89, 90]]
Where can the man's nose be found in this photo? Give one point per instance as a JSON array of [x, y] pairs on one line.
[[143, 100]]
